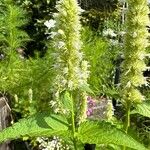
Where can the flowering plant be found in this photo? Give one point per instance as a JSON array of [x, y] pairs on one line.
[[70, 89]]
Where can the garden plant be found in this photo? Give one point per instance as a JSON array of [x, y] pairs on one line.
[[59, 86]]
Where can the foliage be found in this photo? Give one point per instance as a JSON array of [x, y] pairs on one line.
[[46, 124], [19, 74], [37, 79], [109, 5], [143, 109], [41, 11], [63, 79], [12, 39], [38, 12], [43, 124], [97, 13], [143, 129], [101, 56], [97, 20], [93, 132], [12, 19]]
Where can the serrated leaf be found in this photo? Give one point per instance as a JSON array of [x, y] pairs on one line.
[[142, 109], [41, 124], [101, 132]]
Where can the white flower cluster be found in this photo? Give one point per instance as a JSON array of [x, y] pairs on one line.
[[113, 36], [109, 32], [122, 33], [53, 144], [122, 1], [114, 42], [71, 70], [50, 23]]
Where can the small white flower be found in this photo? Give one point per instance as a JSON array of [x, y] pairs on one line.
[[63, 82], [50, 23], [60, 44], [52, 103], [109, 32], [40, 140], [57, 94], [81, 10], [53, 34], [113, 34], [141, 56], [122, 33], [128, 84], [55, 14], [1, 56], [57, 110], [134, 35], [85, 65], [64, 111], [56, 66], [70, 84], [64, 13], [114, 42], [122, 1], [65, 70], [76, 45], [147, 55], [146, 83], [61, 32]]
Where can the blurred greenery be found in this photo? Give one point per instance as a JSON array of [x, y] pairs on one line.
[[38, 12], [101, 56]]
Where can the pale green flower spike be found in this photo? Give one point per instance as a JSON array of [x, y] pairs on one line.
[[70, 68], [110, 111], [134, 50], [83, 108]]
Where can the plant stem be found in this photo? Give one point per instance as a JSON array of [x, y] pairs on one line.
[[74, 131], [127, 119], [73, 124]]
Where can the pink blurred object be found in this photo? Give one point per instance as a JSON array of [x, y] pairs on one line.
[[97, 108]]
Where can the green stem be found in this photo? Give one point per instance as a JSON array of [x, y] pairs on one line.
[[127, 120], [73, 124]]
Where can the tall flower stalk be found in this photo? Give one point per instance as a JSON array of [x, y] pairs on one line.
[[70, 69], [134, 53]]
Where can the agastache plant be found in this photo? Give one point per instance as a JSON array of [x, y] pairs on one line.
[[135, 44], [70, 68], [69, 88], [134, 50]]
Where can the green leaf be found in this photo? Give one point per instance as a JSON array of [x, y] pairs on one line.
[[104, 133], [142, 109], [86, 88], [41, 124], [67, 101]]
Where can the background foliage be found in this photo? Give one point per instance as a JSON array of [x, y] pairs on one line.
[[28, 81]]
